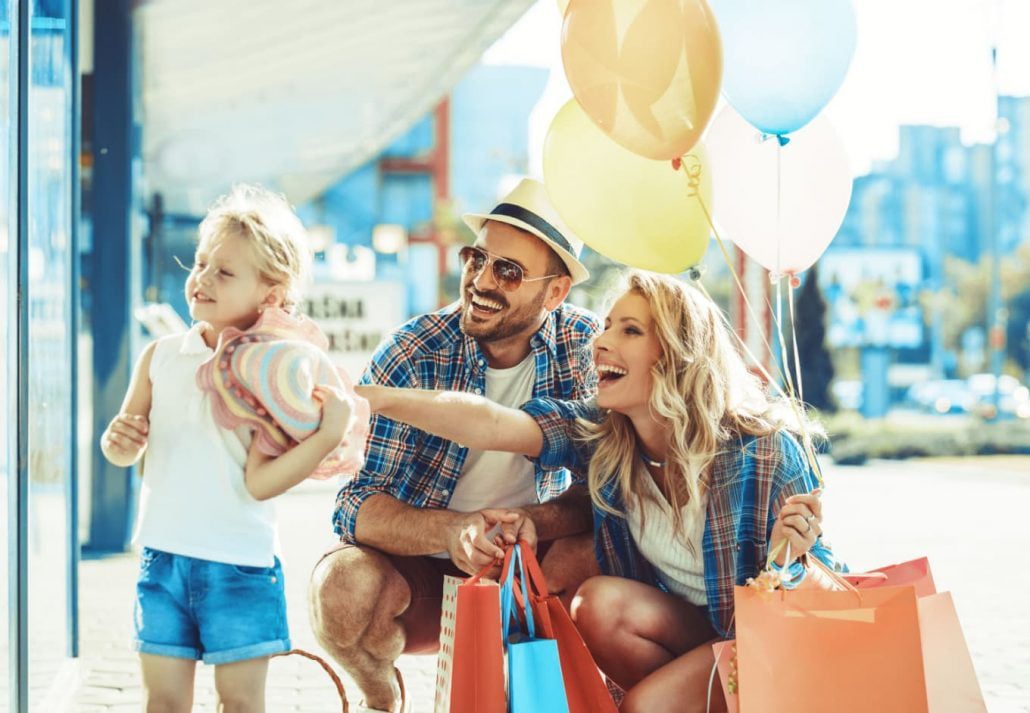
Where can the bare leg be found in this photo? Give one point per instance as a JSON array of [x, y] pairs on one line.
[[678, 687], [633, 629], [568, 563], [167, 683], [356, 599], [241, 686]]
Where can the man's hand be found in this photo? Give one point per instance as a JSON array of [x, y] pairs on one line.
[[469, 540], [521, 528], [125, 439]]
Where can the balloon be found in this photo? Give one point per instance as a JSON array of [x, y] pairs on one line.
[[631, 209], [785, 59], [646, 71], [785, 230]]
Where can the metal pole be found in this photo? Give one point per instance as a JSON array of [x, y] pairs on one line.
[[995, 325], [74, 117], [18, 492]]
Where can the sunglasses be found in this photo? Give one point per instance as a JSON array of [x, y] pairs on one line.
[[509, 275]]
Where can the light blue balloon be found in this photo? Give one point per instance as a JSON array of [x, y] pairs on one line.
[[783, 60]]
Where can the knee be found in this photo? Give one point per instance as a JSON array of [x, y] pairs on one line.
[[239, 702], [351, 588], [599, 605], [642, 700], [165, 702]]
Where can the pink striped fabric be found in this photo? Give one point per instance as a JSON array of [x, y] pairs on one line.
[[263, 378]]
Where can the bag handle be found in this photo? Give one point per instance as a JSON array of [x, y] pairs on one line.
[[481, 573], [536, 573], [817, 563], [509, 608]]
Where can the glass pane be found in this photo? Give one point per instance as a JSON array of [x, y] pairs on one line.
[[7, 526], [49, 348]]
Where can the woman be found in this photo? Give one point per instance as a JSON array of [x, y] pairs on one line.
[[693, 473]]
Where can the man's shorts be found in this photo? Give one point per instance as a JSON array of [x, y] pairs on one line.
[[198, 609], [424, 576]]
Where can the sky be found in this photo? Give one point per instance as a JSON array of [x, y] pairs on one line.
[[917, 62]]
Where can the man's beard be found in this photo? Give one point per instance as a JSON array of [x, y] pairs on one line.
[[513, 322]]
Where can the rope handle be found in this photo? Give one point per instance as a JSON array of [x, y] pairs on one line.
[[329, 670]]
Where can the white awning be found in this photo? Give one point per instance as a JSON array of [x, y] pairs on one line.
[[293, 95]]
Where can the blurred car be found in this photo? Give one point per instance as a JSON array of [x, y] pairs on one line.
[[1013, 397], [847, 393], [942, 396]]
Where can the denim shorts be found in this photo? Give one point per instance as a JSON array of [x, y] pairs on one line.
[[198, 609]]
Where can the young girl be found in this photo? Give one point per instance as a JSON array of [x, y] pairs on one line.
[[210, 586], [693, 471]]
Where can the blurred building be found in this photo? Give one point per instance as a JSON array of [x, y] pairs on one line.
[[906, 218]]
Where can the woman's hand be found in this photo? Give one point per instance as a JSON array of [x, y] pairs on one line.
[[125, 439], [800, 523], [337, 413]]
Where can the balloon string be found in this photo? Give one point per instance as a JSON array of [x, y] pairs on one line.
[[694, 178], [794, 341], [792, 387], [693, 172]]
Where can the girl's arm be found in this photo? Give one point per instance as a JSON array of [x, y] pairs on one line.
[[266, 477], [473, 421], [125, 439]]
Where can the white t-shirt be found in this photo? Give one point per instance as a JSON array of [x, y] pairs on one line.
[[193, 500], [492, 479], [681, 570]]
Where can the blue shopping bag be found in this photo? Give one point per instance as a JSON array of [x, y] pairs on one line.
[[535, 683]]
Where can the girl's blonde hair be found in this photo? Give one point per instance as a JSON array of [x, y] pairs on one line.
[[274, 232], [702, 390]]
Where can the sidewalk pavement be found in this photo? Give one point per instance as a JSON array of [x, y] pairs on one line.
[[969, 516]]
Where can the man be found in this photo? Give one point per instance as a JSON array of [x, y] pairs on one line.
[[424, 507]]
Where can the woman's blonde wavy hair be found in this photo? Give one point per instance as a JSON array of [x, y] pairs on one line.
[[702, 389]]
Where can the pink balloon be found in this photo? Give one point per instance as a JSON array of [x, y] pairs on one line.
[[785, 229]]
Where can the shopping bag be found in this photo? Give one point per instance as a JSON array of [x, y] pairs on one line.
[[949, 670], [915, 573], [470, 665], [878, 649], [726, 664], [535, 682], [585, 688]]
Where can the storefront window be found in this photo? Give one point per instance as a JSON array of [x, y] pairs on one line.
[[50, 334], [7, 286], [36, 263]]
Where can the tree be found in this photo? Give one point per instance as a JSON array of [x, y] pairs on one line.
[[816, 364]]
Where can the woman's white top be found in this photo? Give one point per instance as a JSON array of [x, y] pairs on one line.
[[679, 567], [193, 500]]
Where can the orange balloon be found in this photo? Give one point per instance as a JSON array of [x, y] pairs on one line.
[[646, 71]]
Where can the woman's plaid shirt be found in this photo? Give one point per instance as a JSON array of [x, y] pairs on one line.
[[431, 352], [750, 480]]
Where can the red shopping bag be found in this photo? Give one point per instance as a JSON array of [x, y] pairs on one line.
[[470, 665], [585, 688]]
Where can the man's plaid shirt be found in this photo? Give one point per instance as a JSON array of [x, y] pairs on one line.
[[750, 479], [431, 352]]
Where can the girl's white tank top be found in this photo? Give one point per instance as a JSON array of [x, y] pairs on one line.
[[193, 500]]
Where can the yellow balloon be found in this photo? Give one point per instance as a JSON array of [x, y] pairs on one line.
[[634, 210], [646, 71]]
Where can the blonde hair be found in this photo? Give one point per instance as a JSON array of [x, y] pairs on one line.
[[702, 390], [275, 234]]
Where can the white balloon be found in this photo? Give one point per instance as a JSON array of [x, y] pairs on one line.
[[784, 229]]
